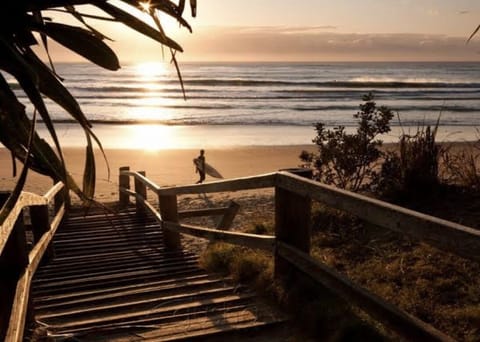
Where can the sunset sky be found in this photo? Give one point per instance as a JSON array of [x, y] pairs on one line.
[[314, 30]]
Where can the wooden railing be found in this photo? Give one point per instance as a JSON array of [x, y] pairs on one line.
[[291, 243], [18, 263]]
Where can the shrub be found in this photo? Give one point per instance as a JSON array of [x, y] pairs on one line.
[[348, 160], [414, 168], [463, 168]]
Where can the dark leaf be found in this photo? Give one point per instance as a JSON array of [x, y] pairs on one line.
[[172, 10], [89, 172], [181, 7], [193, 7], [83, 42], [137, 25], [473, 34], [79, 16], [12, 199]]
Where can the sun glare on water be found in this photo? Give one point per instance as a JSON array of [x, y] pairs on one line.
[[150, 70]]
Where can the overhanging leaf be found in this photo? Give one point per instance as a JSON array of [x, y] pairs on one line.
[[473, 34], [137, 25], [83, 42], [12, 199]]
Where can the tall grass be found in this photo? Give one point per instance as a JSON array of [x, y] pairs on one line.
[[414, 168], [462, 168]]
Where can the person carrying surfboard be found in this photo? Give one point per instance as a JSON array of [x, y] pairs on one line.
[[200, 166]]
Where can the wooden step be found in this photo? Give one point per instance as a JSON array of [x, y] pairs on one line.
[[112, 279]]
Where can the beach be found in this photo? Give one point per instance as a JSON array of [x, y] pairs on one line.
[[169, 167], [164, 167]]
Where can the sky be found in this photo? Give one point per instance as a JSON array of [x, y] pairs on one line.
[[312, 30]]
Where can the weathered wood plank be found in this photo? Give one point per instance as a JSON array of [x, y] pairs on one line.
[[227, 219], [25, 199], [140, 190], [50, 195], [37, 252], [446, 235], [246, 183], [169, 212], [292, 226], [160, 309], [18, 314], [403, 323], [141, 178], [124, 183], [202, 212], [22, 293], [263, 242]]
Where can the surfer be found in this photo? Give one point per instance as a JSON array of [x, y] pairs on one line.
[[200, 166]]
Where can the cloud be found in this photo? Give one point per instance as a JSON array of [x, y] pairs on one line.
[[308, 43], [321, 43], [463, 12]]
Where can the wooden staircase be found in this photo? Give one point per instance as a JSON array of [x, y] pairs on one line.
[[112, 280]]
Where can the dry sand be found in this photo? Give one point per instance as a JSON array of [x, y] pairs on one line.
[[164, 167], [170, 167]]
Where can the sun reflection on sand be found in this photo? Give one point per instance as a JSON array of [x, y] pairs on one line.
[[151, 137]]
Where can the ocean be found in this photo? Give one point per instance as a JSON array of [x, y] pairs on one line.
[[240, 104]]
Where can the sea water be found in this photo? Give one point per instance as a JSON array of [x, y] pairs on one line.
[[239, 104]]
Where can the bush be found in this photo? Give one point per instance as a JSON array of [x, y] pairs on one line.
[[414, 168], [346, 160], [463, 168]]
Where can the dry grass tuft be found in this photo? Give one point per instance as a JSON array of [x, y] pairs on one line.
[[463, 167]]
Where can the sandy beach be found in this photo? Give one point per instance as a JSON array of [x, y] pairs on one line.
[[164, 167], [167, 167]]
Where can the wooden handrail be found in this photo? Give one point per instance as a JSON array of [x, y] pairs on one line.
[[292, 203], [245, 183], [25, 199], [445, 235], [148, 183], [263, 242], [20, 302], [22, 292], [403, 323], [50, 195]]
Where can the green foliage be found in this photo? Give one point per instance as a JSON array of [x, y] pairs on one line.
[[348, 160], [21, 23]]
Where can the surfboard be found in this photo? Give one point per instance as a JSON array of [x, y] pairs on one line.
[[209, 169]]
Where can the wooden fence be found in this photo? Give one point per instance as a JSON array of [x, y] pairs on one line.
[[291, 243], [18, 262]]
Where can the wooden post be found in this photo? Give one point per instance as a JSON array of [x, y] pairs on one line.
[[123, 182], [40, 225], [13, 261], [292, 226], [169, 212], [227, 218], [141, 190]]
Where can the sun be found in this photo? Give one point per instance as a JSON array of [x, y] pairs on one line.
[[145, 6], [150, 70]]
